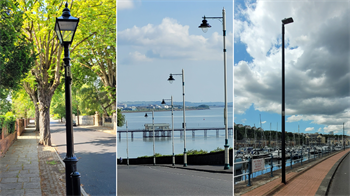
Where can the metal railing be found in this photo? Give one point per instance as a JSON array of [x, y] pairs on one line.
[[246, 166]]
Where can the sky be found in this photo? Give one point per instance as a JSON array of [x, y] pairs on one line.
[[317, 65], [157, 38]]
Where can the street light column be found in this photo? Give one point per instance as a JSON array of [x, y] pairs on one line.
[[127, 143], [172, 126], [184, 119], [70, 160], [171, 79], [154, 151], [284, 21], [227, 155]]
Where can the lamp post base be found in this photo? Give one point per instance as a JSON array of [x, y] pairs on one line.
[[72, 184], [227, 166]]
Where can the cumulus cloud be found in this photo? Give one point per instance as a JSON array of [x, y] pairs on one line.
[[317, 60], [171, 40], [309, 129]]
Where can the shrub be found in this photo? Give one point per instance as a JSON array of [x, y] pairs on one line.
[[218, 149], [2, 119], [9, 122], [194, 152]]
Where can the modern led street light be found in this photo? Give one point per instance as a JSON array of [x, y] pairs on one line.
[[284, 21]]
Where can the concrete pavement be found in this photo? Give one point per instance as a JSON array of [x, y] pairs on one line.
[[19, 168]]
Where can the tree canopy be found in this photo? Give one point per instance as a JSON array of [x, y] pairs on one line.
[[16, 57]]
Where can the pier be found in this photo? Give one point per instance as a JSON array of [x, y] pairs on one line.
[[167, 133]]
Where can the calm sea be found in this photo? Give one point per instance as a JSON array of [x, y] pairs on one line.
[[139, 146]]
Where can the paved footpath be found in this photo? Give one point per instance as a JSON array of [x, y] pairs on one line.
[[313, 181], [19, 168]]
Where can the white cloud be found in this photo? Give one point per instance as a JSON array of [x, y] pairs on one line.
[[125, 4], [244, 120], [309, 129], [317, 59], [170, 40], [263, 122], [137, 56]]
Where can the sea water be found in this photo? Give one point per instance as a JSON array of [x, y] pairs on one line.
[[210, 118]]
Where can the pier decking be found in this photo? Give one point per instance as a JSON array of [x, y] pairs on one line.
[[167, 133]]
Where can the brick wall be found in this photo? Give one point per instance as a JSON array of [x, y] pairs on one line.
[[6, 141]]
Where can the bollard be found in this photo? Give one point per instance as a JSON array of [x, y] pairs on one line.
[[250, 169], [76, 183], [271, 166], [308, 155], [322, 152]]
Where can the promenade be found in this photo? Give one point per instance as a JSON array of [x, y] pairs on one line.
[[311, 179]]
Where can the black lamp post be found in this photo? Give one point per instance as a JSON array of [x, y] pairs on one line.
[[65, 27], [284, 21]]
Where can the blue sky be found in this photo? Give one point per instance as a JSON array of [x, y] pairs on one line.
[[317, 65], [156, 38]]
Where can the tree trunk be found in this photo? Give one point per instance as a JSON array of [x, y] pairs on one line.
[[34, 97], [44, 108], [37, 115]]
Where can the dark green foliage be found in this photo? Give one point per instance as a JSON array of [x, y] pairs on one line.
[[120, 118], [5, 105], [203, 107], [8, 121], [218, 149], [194, 152], [15, 50]]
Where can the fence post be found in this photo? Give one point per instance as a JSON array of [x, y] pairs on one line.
[[271, 165], [315, 153], [291, 159], [250, 169]]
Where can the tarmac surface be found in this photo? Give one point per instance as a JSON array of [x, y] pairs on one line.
[[164, 180], [311, 178], [204, 168]]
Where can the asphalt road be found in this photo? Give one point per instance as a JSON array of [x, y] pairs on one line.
[[96, 152], [157, 180], [340, 182]]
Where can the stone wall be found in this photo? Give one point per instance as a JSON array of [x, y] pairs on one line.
[[85, 120], [217, 158]]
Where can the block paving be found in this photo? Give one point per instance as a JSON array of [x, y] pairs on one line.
[[306, 182]]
